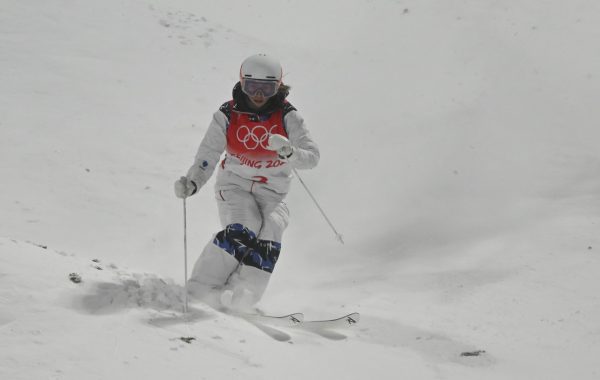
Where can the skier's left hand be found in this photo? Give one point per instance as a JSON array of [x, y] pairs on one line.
[[282, 145]]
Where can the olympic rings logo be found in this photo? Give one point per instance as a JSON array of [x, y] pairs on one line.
[[256, 137]]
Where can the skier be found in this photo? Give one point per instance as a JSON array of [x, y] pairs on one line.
[[264, 137]]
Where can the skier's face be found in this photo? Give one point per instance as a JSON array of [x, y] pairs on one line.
[[258, 100]]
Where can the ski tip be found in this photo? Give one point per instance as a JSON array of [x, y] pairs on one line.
[[296, 318], [353, 318]]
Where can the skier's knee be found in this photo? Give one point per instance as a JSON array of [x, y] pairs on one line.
[[236, 240], [264, 256]]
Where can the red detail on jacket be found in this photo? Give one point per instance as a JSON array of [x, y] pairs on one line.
[[247, 139]]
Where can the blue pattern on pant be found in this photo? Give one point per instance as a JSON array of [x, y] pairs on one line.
[[242, 244], [264, 255]]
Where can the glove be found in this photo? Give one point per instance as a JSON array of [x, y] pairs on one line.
[[185, 187], [281, 145]]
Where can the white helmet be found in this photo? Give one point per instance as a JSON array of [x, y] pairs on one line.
[[261, 67]]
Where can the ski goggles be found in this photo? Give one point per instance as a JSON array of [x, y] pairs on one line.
[[252, 87]]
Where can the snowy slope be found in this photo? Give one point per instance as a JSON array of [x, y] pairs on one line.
[[459, 159]]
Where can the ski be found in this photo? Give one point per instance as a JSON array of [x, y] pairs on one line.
[[288, 320], [297, 320], [336, 323]]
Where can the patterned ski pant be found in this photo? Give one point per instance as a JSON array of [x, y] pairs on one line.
[[243, 255]]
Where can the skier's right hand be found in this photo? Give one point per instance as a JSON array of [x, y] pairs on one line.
[[185, 187]]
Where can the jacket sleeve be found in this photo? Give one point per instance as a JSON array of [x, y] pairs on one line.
[[210, 150], [306, 152]]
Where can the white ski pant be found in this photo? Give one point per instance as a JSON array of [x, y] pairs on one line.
[[242, 256]]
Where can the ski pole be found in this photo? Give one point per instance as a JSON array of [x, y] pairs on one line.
[[185, 295], [337, 234]]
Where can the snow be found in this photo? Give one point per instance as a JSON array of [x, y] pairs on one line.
[[459, 161]]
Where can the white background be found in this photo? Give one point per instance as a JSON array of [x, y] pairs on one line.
[[460, 161]]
